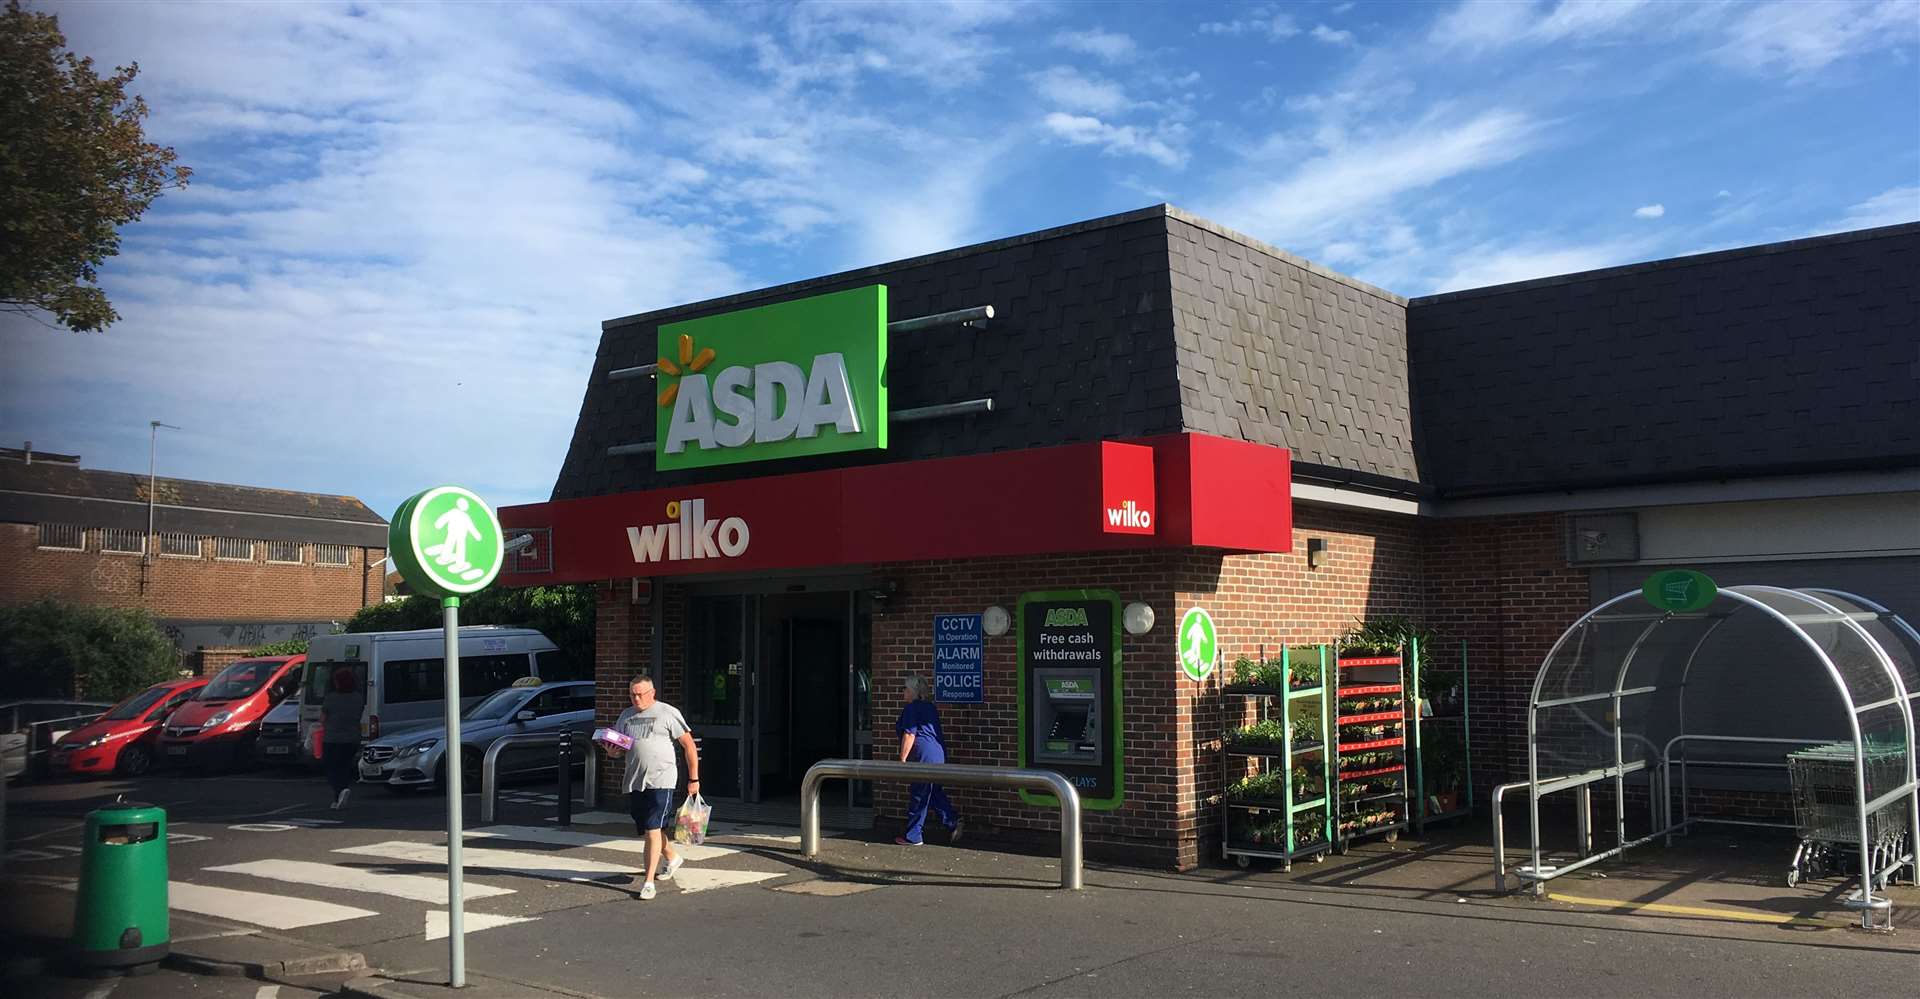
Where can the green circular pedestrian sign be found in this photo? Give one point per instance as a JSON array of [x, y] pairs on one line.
[[446, 541], [1198, 644]]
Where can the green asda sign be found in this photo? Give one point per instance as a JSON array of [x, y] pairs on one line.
[[779, 381]]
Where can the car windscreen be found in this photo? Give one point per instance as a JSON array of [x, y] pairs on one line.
[[238, 680], [133, 706], [498, 705]]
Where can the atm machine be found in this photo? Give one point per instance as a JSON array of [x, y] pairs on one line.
[[1070, 697]]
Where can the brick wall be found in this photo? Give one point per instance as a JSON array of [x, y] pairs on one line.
[[1503, 585], [209, 662], [202, 588]]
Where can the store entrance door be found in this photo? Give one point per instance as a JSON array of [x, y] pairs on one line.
[[777, 682]]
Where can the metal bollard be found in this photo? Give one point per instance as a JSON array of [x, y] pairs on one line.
[[565, 780]]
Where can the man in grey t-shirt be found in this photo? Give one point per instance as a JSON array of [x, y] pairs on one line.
[[651, 773]]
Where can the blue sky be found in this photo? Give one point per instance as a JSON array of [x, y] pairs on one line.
[[407, 222]]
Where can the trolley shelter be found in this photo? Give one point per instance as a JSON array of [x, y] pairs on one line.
[[1653, 690]]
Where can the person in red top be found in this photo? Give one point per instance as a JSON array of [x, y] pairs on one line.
[[922, 741]]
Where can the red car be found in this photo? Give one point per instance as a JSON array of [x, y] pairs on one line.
[[122, 740], [221, 722]]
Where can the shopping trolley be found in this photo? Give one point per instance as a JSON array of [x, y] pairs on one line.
[[1828, 814]]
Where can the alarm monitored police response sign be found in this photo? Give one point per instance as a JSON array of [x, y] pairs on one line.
[[959, 670], [779, 381]]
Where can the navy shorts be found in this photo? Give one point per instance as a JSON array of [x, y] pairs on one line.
[[650, 808]]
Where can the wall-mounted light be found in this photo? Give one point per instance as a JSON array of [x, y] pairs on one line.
[[1317, 552], [996, 621], [1138, 619]]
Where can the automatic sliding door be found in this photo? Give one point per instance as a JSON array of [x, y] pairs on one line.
[[718, 689]]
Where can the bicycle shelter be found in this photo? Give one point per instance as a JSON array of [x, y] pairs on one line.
[[1629, 689]]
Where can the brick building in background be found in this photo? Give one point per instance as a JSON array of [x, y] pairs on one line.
[[228, 567], [1490, 463]]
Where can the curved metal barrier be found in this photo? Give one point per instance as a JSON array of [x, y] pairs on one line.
[[490, 765], [1045, 781]]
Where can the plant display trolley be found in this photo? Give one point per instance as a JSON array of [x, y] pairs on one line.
[[1441, 735], [1277, 769], [1370, 748]]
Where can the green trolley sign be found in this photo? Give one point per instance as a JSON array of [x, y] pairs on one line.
[[446, 542], [1679, 590]]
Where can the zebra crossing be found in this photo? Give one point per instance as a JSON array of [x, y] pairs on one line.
[[278, 893]]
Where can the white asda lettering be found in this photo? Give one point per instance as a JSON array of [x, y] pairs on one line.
[[1129, 514], [688, 534], [752, 397]]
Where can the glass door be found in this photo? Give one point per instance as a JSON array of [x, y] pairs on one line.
[[720, 692]]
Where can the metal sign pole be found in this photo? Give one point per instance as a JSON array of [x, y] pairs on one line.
[[456, 921]]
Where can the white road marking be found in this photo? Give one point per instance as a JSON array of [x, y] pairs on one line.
[[102, 991], [284, 825], [180, 837], [623, 844], [693, 879], [24, 856], [552, 866], [473, 922], [278, 912], [408, 886], [267, 992]]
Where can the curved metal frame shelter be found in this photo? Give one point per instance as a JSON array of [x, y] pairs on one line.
[[1611, 697]]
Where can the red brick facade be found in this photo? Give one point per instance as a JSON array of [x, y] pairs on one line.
[[191, 588]]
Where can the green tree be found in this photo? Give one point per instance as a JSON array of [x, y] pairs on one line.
[[75, 166], [286, 647], [54, 649], [562, 613]]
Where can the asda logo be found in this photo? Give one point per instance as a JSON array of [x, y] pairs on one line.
[[688, 534], [773, 401], [1070, 617], [780, 381]]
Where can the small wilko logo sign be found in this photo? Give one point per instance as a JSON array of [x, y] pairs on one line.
[[689, 534], [1130, 514]]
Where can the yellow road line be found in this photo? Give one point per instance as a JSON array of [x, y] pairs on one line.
[[1688, 910]]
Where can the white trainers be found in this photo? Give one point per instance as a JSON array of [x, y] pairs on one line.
[[647, 891], [340, 800], [672, 866]]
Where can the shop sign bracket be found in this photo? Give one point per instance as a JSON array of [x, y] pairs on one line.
[[943, 410], [973, 318]]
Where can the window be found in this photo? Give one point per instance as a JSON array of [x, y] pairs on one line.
[[557, 665], [233, 548], [239, 680], [180, 545], [329, 554], [410, 680], [284, 551], [122, 542], [66, 537]]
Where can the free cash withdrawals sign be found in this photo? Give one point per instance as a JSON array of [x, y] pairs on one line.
[[959, 675], [778, 381]]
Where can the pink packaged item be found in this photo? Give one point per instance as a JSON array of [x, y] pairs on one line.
[[618, 740]]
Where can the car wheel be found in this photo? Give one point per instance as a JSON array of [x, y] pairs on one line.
[[135, 760]]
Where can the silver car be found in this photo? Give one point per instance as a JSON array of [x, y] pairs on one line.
[[417, 757]]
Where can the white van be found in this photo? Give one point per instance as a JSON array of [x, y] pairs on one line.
[[404, 673]]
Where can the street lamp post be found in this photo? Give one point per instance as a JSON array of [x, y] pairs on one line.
[[153, 440]]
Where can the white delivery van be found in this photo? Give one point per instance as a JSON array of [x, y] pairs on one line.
[[404, 673]]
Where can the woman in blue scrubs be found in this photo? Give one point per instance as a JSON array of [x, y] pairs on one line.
[[922, 741]]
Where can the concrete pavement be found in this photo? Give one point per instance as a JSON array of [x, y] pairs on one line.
[[556, 911]]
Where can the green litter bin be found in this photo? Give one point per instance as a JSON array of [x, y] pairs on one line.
[[120, 920]]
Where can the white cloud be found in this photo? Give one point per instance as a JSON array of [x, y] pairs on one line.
[[1346, 179], [1724, 193], [1107, 45], [1649, 211], [1064, 87], [1491, 24], [1082, 130], [1800, 38], [1490, 264], [1260, 21], [1890, 207], [1331, 36]]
